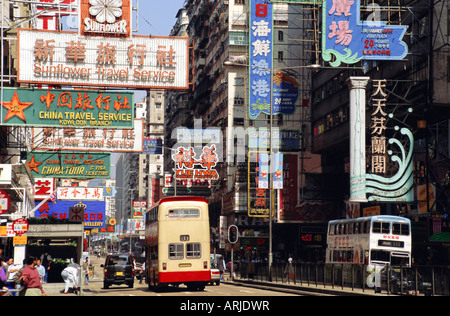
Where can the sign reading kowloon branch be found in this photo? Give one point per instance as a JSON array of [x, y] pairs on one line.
[[69, 59]]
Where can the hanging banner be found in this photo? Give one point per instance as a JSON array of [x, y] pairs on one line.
[[263, 174], [70, 165], [278, 171], [67, 108], [346, 39]]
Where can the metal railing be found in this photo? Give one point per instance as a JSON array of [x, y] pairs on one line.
[[400, 280]]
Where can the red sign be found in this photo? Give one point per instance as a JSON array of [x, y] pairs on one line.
[[20, 226], [5, 202]]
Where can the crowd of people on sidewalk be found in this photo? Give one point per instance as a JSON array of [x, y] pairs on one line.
[[26, 278], [22, 279]]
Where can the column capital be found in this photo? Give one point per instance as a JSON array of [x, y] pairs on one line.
[[357, 82]]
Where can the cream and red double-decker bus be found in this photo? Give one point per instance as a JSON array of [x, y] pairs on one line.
[[177, 242]]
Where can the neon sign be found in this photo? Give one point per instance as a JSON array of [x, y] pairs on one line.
[[347, 39]]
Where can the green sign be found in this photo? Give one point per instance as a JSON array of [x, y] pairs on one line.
[[67, 108], [70, 165]]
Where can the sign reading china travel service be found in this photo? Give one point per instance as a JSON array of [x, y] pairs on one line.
[[66, 58], [67, 108], [350, 40], [70, 165]]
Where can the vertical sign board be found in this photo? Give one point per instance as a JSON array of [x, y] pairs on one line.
[[261, 57], [347, 39], [371, 186]]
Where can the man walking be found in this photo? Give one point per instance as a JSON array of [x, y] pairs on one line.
[[31, 280]]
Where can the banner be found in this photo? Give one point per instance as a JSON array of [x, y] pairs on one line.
[[263, 175], [278, 171]]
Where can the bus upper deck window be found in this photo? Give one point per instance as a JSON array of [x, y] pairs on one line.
[[400, 229], [376, 227]]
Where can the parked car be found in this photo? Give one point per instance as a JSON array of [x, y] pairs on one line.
[[408, 280], [118, 269], [215, 273], [215, 276]]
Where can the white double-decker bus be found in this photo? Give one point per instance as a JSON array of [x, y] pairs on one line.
[[382, 239]]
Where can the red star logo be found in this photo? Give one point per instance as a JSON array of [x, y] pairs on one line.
[[15, 108], [33, 164]]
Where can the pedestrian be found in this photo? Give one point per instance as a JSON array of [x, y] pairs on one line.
[[41, 270], [30, 277], [4, 291], [289, 270], [221, 266], [142, 273], [46, 261], [11, 275], [86, 271], [70, 275]]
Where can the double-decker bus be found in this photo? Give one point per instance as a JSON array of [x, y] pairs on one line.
[[177, 242], [382, 239]]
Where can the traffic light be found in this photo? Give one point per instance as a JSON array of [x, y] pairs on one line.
[[233, 234]]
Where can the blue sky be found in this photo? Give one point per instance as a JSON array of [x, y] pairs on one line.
[[160, 16]]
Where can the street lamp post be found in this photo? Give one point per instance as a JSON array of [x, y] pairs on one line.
[[271, 197]]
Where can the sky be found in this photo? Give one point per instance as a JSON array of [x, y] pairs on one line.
[[158, 17]]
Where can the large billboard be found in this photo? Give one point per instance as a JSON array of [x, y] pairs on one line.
[[65, 58]]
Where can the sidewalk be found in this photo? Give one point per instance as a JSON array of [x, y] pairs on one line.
[[56, 289]]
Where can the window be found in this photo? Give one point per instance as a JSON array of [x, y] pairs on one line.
[[280, 36], [380, 255], [176, 251], [193, 251], [184, 213], [239, 1], [381, 228], [400, 229], [280, 56]]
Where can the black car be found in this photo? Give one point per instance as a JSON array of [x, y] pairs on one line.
[[118, 269], [404, 279]]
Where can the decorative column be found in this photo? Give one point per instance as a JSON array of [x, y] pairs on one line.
[[357, 86]]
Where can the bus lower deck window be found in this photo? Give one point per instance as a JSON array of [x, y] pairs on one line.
[[193, 251]]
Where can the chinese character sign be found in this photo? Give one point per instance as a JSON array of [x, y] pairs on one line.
[[67, 108], [70, 165], [186, 160], [350, 40], [261, 63], [70, 59]]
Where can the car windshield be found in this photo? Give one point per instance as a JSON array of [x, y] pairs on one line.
[[121, 261]]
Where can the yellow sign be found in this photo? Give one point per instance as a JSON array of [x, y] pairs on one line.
[[20, 240]]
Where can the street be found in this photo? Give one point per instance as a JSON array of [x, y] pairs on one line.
[[96, 285]]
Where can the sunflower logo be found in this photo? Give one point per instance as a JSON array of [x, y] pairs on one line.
[[112, 221], [106, 10]]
